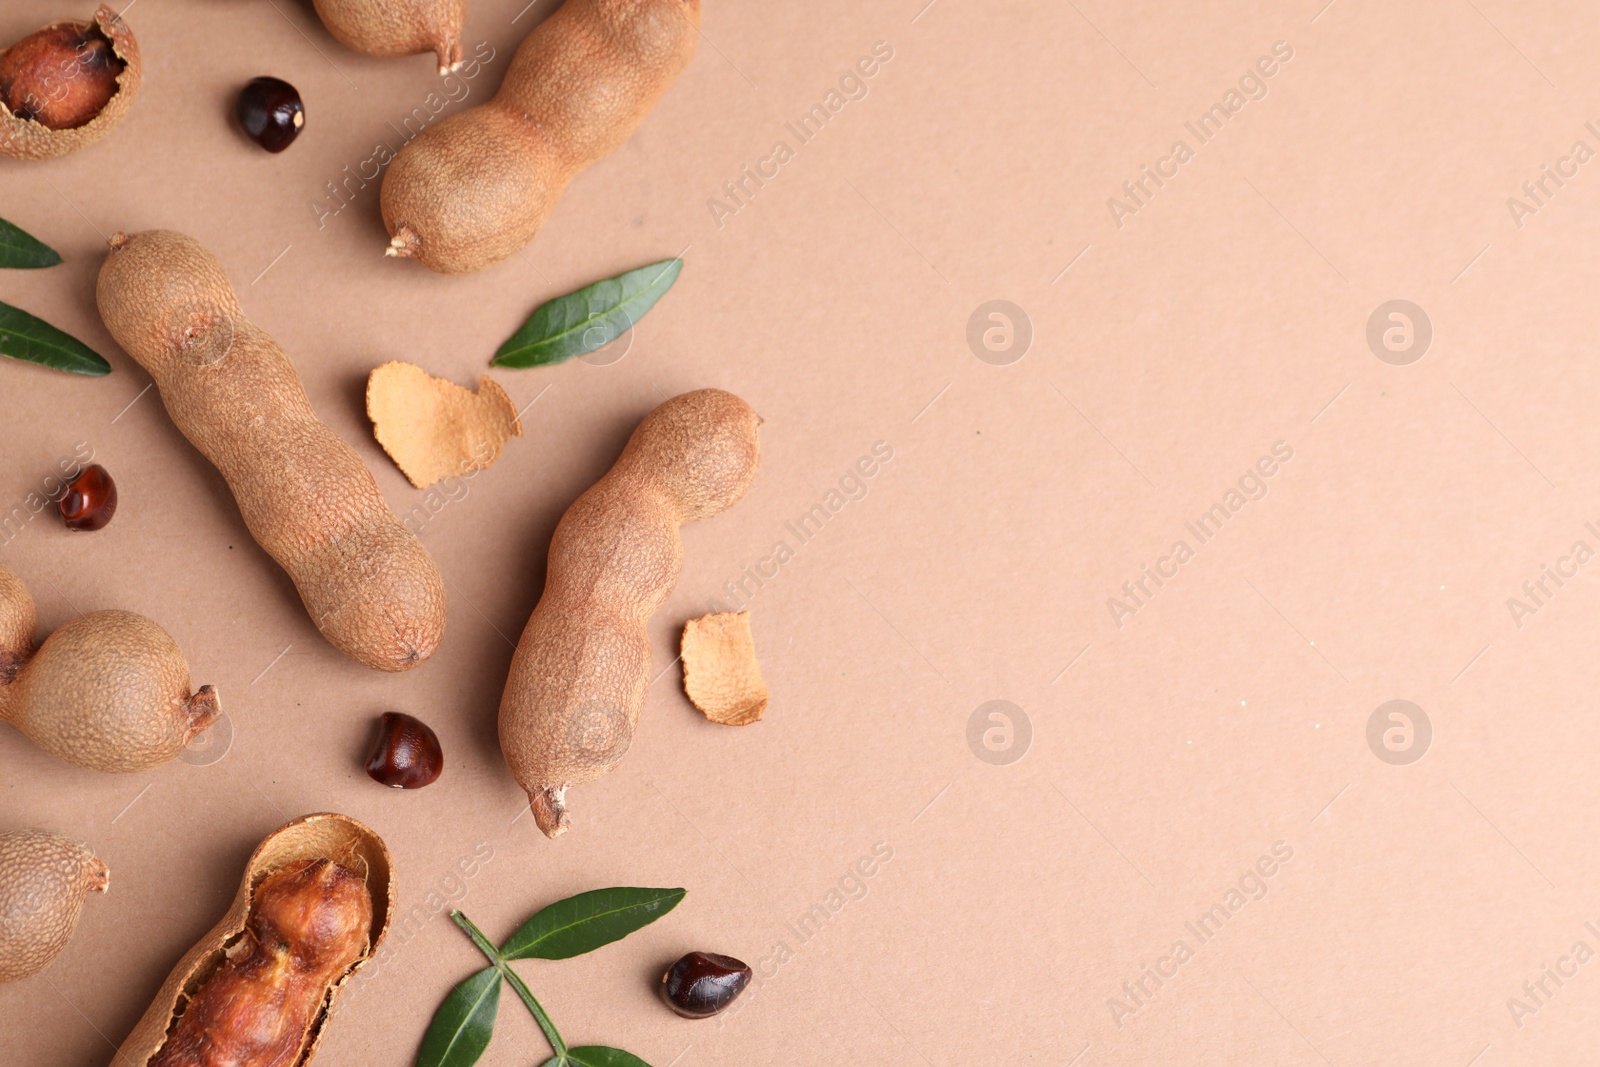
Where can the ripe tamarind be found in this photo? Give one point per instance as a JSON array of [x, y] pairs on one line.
[[66, 86], [578, 678], [398, 27], [475, 187], [108, 691], [306, 496], [43, 880]]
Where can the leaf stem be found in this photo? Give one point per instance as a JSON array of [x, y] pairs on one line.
[[487, 948], [545, 1024]]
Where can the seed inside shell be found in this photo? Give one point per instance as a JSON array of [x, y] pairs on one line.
[[66, 86]]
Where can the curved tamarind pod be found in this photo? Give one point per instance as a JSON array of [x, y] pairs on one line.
[[472, 189], [579, 676]]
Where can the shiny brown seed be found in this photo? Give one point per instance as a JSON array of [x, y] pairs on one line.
[[61, 77], [271, 113], [90, 500], [406, 753], [703, 983]]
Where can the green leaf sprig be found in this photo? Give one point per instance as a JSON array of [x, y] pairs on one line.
[[463, 1025], [24, 337], [590, 318]]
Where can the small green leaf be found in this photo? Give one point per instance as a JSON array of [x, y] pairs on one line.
[[588, 319], [22, 250], [462, 1026], [583, 923], [601, 1056], [554, 1061], [24, 337]]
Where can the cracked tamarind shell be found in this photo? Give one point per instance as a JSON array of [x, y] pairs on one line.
[[325, 835], [389, 28], [720, 670], [43, 880], [434, 429], [26, 138]]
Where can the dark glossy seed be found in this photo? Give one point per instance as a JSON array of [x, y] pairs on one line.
[[271, 113], [90, 500], [703, 983], [406, 753]]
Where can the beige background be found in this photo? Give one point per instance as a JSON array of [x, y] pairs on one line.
[[1167, 755]]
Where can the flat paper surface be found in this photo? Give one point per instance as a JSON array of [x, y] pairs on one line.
[[1167, 747]]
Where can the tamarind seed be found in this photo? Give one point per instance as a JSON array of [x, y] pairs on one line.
[[90, 500], [702, 984], [271, 112], [406, 753]]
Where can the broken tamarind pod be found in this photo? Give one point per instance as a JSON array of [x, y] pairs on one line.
[[108, 691], [66, 86], [474, 188], [43, 880], [308, 925], [387, 28], [306, 496], [578, 679], [259, 990]]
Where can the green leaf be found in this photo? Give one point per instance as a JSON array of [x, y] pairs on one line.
[[587, 921], [601, 1056], [462, 1026], [22, 250], [595, 1056], [24, 337], [588, 319]]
